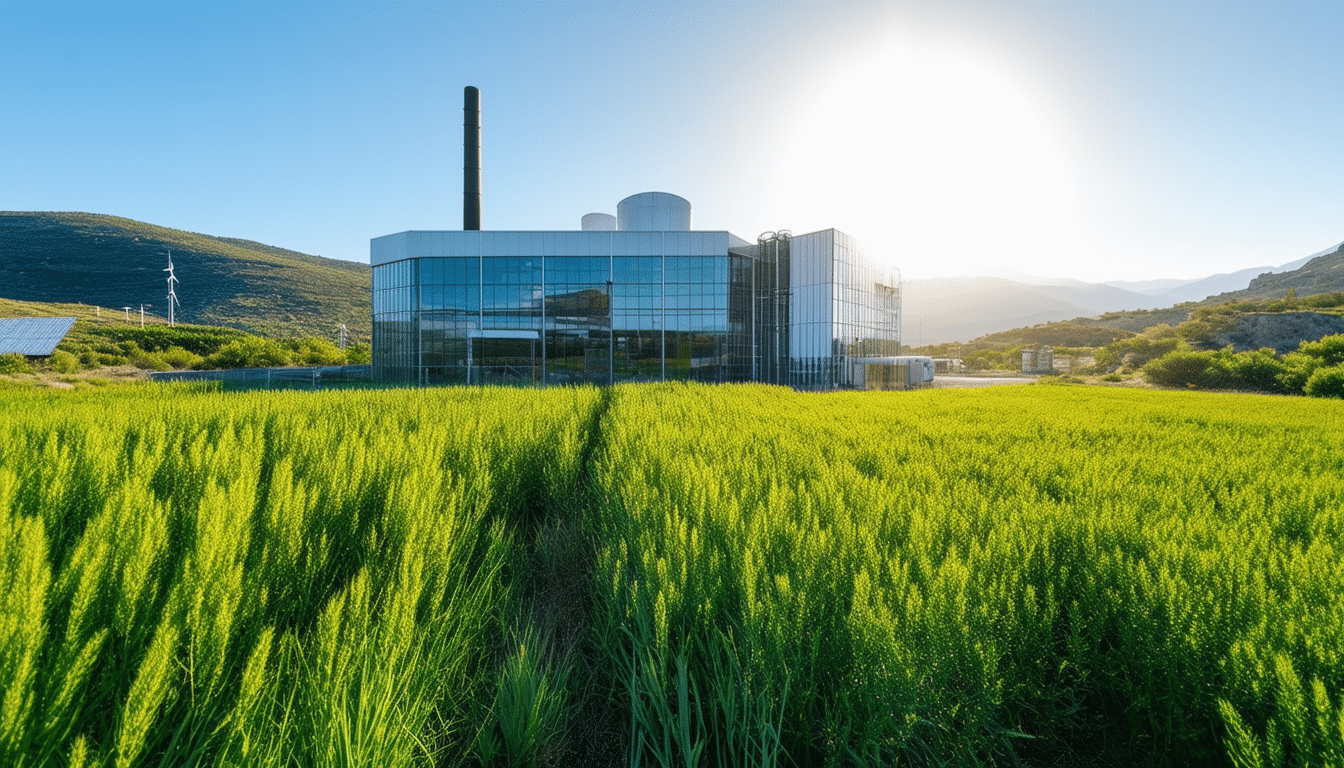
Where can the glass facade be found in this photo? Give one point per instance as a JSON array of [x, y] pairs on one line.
[[611, 306]]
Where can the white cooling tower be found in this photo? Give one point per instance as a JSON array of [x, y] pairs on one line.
[[598, 222], [653, 212]]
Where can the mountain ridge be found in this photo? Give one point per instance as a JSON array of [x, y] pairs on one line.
[[113, 261], [959, 309]]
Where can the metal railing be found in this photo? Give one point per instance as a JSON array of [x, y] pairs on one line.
[[313, 376]]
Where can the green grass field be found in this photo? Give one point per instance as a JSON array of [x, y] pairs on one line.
[[670, 575]]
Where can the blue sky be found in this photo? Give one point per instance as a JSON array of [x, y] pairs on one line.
[[1095, 140]]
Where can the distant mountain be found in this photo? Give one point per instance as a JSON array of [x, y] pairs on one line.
[[951, 309], [1180, 291], [947, 309], [114, 262], [1323, 273]]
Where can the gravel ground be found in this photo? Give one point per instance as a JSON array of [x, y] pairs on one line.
[[965, 382]]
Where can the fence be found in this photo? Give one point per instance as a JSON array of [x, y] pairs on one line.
[[313, 376]]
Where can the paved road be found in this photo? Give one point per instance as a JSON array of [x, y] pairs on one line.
[[966, 382]]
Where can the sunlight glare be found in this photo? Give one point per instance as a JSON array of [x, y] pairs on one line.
[[932, 156]]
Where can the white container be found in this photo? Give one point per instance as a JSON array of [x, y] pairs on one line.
[[653, 212]]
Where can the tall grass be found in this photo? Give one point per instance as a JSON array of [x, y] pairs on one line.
[[739, 576], [264, 579], [968, 577]]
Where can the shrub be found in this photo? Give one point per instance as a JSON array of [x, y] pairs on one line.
[[1326, 382], [14, 363], [149, 361], [1140, 350], [1329, 350], [249, 353], [1181, 368], [1258, 371], [1324, 300], [180, 359], [358, 354], [313, 351], [64, 362], [1297, 369]]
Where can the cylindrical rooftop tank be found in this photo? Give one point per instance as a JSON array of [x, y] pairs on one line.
[[598, 222], [653, 212]]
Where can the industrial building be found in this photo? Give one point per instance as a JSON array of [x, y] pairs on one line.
[[638, 296]]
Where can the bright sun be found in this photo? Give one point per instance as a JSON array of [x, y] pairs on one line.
[[940, 157]]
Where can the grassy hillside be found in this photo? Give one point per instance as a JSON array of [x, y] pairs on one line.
[[114, 262], [1270, 292], [105, 346], [1323, 274]]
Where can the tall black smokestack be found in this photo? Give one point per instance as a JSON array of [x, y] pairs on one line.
[[471, 163]]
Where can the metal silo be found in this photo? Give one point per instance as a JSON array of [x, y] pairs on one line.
[[598, 222], [653, 212]]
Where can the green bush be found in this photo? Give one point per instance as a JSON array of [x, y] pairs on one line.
[[1326, 382], [358, 354], [64, 362], [1258, 371], [1329, 350], [180, 359], [149, 361], [249, 353], [314, 351], [1297, 369], [1140, 350], [1182, 368], [14, 363]]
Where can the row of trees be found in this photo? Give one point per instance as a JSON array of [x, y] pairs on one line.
[[1315, 369]]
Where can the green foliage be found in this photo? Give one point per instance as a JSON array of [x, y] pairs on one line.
[[178, 358], [14, 363], [312, 351], [1139, 350], [249, 353], [148, 361], [1329, 350], [264, 579], [358, 354], [529, 705], [1326, 382], [63, 362], [765, 577], [986, 359], [1260, 370], [199, 340], [1183, 368], [955, 571], [1064, 333], [1301, 729]]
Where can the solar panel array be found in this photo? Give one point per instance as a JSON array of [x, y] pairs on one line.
[[33, 336]]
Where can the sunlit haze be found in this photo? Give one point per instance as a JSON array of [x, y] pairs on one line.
[[928, 148], [1090, 140]]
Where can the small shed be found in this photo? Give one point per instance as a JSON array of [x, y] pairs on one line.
[[1038, 360]]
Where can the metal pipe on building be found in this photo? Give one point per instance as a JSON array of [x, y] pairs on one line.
[[471, 162]]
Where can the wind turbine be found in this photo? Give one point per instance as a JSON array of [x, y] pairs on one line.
[[172, 294], [340, 327]]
